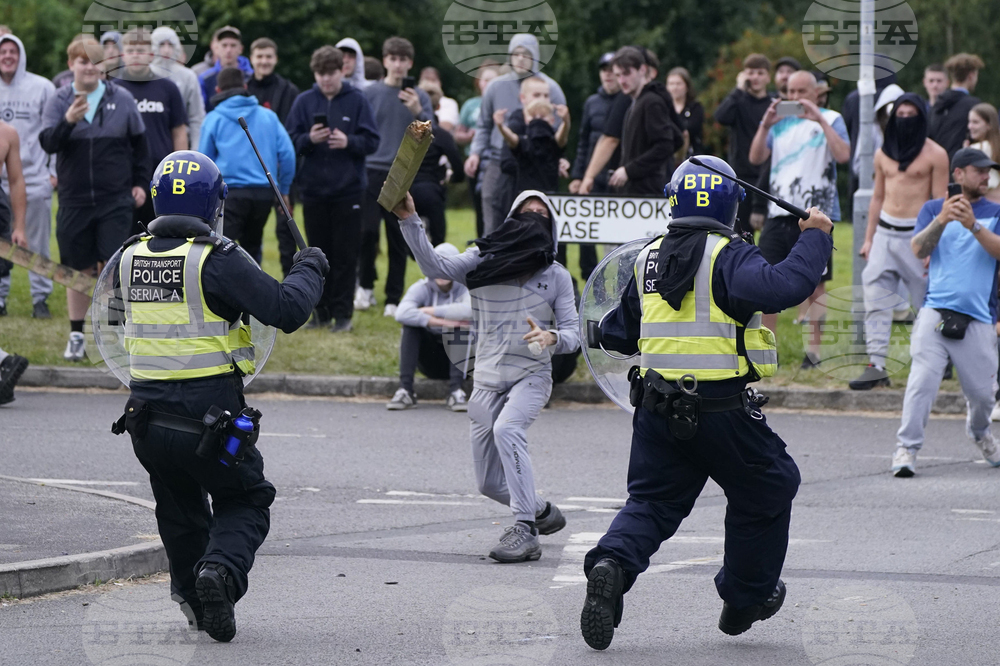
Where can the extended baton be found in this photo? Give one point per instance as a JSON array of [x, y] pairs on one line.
[[294, 228], [794, 210]]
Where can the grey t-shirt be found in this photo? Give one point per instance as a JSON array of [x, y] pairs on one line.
[[392, 118]]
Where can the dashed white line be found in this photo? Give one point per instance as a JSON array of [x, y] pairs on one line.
[[416, 502], [77, 482]]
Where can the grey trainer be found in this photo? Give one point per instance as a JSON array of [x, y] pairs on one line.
[[518, 544]]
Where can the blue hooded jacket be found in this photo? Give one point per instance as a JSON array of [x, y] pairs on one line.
[[210, 77], [328, 173], [225, 142]]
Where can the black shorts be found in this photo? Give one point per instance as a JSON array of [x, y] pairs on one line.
[[778, 237], [90, 234]]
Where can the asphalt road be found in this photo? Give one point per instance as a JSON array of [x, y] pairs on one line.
[[378, 544]]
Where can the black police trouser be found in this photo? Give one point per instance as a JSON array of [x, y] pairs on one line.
[[398, 251], [424, 349], [334, 226], [230, 533], [246, 213], [666, 475]]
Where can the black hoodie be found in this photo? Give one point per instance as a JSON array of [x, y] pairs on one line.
[[651, 137], [949, 122], [274, 92]]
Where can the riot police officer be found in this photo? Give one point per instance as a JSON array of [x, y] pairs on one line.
[[186, 293], [692, 311]]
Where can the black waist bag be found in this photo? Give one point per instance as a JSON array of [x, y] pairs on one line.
[[953, 324]]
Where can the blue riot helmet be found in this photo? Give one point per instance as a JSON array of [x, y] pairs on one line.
[[695, 191], [187, 182]]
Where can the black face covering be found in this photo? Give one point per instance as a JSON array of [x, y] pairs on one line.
[[905, 137], [522, 245]]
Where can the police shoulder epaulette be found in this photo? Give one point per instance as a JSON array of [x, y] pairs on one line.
[[223, 245], [133, 240]]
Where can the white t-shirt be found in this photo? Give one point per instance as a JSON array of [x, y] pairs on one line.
[[803, 170], [448, 111], [994, 174]]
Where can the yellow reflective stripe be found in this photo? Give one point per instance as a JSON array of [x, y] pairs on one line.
[[180, 363], [174, 347], [210, 329], [763, 356], [690, 361], [687, 329]]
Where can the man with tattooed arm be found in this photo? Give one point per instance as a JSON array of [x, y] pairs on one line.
[[959, 315]]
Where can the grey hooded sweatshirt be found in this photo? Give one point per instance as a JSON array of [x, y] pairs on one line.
[[504, 92], [21, 104], [357, 79], [500, 312], [184, 78], [452, 304]]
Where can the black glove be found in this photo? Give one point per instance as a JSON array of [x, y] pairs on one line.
[[315, 257]]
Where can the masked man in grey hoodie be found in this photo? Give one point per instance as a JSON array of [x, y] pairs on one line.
[[504, 93], [524, 311], [22, 99]]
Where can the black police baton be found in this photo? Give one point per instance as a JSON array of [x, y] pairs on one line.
[[794, 210], [294, 228]]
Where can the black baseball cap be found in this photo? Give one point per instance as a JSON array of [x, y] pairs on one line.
[[967, 157], [606, 60], [790, 61]]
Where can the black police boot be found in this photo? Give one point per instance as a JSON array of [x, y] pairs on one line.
[[215, 592], [602, 611], [734, 622]]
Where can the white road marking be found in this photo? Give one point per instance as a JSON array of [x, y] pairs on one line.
[[411, 493], [982, 520], [602, 500], [77, 482], [972, 511], [415, 502]]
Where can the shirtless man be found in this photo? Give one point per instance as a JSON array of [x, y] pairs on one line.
[[910, 170], [14, 205]]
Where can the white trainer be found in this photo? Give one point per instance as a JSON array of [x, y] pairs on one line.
[[76, 348], [904, 462], [988, 447], [457, 401], [390, 310], [363, 298]]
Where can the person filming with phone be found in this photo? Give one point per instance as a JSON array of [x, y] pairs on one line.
[[805, 144], [958, 319], [333, 128]]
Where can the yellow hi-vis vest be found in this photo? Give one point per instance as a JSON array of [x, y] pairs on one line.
[[170, 334], [699, 339]]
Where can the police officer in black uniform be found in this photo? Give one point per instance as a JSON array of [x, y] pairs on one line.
[[186, 292], [692, 311]]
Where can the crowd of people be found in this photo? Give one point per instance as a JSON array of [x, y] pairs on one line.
[[96, 132]]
